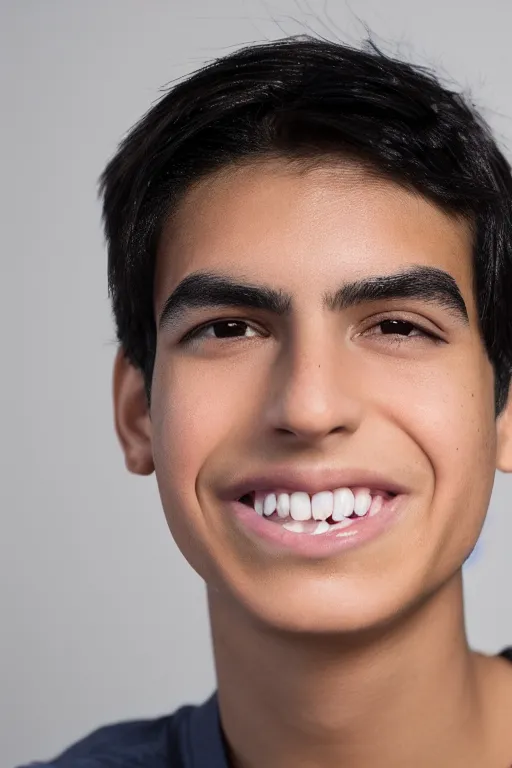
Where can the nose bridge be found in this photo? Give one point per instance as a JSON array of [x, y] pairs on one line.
[[315, 388]]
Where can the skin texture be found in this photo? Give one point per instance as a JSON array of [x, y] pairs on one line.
[[371, 640]]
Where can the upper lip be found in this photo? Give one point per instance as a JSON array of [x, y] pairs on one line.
[[312, 480]]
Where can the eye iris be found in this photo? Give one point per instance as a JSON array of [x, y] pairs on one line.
[[396, 326], [230, 328]]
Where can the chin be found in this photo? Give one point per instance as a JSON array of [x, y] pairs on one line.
[[365, 590], [327, 604]]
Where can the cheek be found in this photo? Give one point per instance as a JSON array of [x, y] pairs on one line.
[[193, 417], [452, 422], [456, 424]]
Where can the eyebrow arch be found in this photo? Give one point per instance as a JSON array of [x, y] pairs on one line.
[[205, 290]]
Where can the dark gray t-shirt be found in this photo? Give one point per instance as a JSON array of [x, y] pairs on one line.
[[191, 737]]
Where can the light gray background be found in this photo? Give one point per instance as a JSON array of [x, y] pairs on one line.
[[101, 618]]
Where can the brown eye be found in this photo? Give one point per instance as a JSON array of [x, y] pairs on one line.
[[227, 328], [398, 327], [219, 330]]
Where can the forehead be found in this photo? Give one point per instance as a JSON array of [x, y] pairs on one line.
[[304, 230]]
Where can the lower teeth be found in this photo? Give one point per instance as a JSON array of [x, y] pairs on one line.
[[313, 528]]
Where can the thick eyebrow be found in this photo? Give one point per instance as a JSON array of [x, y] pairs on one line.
[[206, 290]]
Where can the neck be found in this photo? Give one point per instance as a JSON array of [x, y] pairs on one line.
[[406, 695]]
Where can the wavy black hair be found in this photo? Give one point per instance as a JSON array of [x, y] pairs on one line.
[[308, 99]]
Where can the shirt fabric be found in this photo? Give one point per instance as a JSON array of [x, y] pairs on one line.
[[190, 737]]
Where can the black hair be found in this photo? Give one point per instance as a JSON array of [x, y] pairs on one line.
[[302, 98]]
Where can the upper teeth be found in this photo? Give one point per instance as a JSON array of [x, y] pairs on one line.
[[339, 504]]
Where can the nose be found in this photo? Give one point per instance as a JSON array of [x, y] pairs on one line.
[[315, 390]]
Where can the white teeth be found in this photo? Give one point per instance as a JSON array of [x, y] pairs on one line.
[[283, 505], [345, 523], [321, 505], [295, 526], [270, 504], [300, 506], [362, 502], [258, 504], [376, 506], [322, 527], [343, 504]]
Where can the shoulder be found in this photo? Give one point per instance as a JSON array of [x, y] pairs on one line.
[[131, 744]]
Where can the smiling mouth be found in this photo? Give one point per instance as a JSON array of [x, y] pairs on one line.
[[324, 512]]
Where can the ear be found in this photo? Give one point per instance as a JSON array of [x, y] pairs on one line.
[[131, 415], [504, 435]]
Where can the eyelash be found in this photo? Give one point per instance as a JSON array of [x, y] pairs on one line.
[[195, 334]]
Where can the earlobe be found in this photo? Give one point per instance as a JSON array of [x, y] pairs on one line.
[[131, 416], [504, 436]]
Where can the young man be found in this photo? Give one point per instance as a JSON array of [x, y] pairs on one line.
[[310, 260]]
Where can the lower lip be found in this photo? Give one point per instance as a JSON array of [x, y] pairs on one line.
[[362, 530]]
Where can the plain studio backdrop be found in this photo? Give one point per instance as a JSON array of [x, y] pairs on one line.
[[101, 617]]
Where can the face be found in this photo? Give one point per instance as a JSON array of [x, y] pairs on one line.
[[393, 392]]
